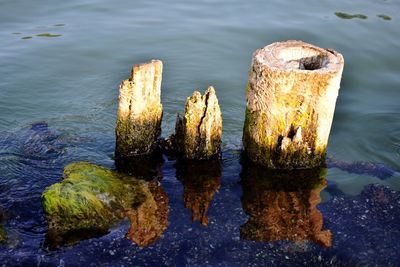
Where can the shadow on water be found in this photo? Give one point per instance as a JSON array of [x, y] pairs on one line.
[[282, 204], [201, 180]]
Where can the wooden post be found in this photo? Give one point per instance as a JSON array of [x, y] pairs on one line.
[[198, 134], [139, 111], [291, 97]]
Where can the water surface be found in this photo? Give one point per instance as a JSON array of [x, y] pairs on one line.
[[64, 67]]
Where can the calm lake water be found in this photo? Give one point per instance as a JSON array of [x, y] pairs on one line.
[[61, 63]]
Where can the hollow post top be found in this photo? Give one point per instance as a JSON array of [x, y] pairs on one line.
[[298, 56]]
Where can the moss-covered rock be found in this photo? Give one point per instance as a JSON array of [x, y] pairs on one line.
[[89, 200]]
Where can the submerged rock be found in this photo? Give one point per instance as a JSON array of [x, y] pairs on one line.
[[3, 233], [89, 200], [198, 134]]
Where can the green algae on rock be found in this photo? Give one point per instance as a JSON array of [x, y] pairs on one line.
[[343, 15], [384, 17], [139, 111], [49, 35], [291, 97], [89, 199], [198, 134]]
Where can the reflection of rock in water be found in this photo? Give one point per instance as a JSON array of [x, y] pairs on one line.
[[282, 205], [150, 219], [201, 179]]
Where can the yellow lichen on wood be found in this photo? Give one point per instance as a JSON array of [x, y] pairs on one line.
[[198, 135], [291, 97], [139, 110]]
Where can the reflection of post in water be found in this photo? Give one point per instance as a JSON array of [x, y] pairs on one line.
[[150, 219], [282, 205], [146, 167], [201, 179]]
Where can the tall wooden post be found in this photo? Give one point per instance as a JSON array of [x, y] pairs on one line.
[[139, 111], [291, 97]]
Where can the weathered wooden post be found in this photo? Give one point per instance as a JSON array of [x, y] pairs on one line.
[[139, 111], [198, 135], [291, 97]]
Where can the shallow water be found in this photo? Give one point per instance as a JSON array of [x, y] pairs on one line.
[[62, 63]]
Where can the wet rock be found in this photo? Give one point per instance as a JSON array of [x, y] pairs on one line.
[[198, 134], [139, 111], [201, 180], [88, 201], [291, 97], [361, 167]]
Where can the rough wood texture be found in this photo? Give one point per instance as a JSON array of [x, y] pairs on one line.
[[198, 134], [291, 97], [139, 110]]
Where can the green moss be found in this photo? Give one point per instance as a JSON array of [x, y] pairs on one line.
[[90, 197], [343, 15], [384, 17], [50, 35]]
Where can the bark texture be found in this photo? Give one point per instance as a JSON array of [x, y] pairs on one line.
[[139, 110], [291, 97], [198, 134]]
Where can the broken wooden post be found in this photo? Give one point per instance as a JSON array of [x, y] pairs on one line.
[[198, 134], [291, 97], [139, 111]]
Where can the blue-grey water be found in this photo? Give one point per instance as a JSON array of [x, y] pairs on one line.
[[61, 63]]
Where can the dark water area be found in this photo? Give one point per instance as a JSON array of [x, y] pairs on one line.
[[61, 64]]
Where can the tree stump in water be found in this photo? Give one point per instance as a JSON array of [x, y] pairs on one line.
[[198, 134], [139, 110], [291, 97]]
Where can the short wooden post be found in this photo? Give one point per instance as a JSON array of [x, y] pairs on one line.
[[291, 97], [198, 134], [139, 111]]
